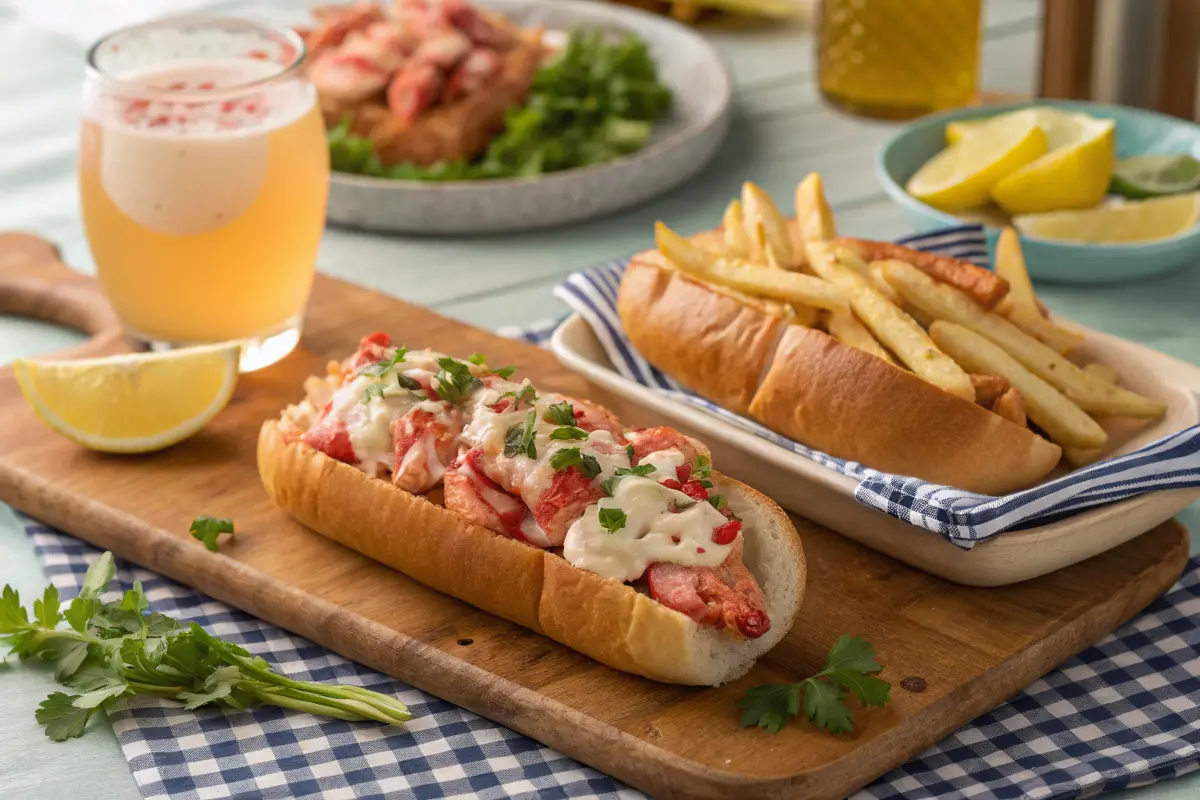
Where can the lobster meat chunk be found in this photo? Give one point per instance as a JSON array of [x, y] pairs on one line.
[[726, 596], [413, 90], [480, 500], [651, 440], [426, 443]]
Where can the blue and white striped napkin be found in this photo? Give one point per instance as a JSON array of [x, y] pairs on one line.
[[964, 518]]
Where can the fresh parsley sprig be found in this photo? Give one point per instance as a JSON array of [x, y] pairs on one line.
[[207, 529], [526, 394], [561, 413], [121, 648], [383, 366], [569, 433], [571, 457], [850, 669], [480, 360], [609, 485]]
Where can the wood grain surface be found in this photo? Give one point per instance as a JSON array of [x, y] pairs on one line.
[[973, 647]]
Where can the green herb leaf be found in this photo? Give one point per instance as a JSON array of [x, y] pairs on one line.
[[383, 367], [849, 669], [526, 394], [506, 372], [561, 413], [629, 451], [520, 439], [46, 610], [407, 382], [702, 468], [13, 616], [717, 501], [61, 718], [569, 433], [478, 359], [572, 457], [612, 519], [641, 470], [770, 705], [373, 390], [207, 529]]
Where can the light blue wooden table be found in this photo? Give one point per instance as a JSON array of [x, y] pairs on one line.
[[782, 131]]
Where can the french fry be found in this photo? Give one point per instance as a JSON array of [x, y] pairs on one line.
[[777, 284], [875, 270], [814, 218], [758, 207], [983, 286], [895, 329], [737, 242], [947, 303], [989, 389], [1078, 456], [1021, 305], [845, 327], [1011, 406], [1063, 421], [1102, 371]]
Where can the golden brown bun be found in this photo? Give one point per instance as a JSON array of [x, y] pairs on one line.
[[605, 619], [462, 129], [709, 341], [855, 406], [822, 392]]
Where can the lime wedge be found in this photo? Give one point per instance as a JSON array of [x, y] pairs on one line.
[[1156, 175]]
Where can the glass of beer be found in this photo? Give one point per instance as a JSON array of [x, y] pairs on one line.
[[897, 59], [203, 176]]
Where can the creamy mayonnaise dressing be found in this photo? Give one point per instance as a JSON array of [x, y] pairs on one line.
[[649, 534]]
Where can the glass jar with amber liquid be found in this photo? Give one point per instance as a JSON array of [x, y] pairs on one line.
[[897, 59]]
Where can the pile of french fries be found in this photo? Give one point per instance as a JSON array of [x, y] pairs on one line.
[[978, 340]]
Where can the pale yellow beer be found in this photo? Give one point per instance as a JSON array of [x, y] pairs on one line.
[[203, 186]]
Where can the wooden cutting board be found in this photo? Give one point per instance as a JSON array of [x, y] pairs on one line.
[[973, 647]]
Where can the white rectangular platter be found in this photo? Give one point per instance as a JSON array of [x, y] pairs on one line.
[[827, 497]]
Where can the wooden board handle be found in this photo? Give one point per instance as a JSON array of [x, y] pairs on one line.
[[34, 282]]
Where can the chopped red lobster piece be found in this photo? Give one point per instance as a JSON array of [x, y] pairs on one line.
[[475, 72], [480, 500], [425, 444], [726, 596], [473, 23], [371, 350], [443, 50], [331, 438], [413, 90], [560, 505], [651, 440], [347, 77], [336, 23]]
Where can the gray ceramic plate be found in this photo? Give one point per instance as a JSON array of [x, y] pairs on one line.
[[682, 145]]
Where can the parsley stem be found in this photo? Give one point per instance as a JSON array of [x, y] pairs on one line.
[[351, 711]]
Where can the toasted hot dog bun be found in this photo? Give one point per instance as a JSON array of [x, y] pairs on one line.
[[602, 618], [821, 392]]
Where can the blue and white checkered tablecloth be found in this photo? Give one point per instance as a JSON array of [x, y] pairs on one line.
[[1124, 713]]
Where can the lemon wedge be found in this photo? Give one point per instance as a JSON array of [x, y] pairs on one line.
[[1141, 221], [962, 175], [133, 403], [1074, 173], [1056, 124]]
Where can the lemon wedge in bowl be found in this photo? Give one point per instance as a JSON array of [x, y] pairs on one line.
[[962, 175], [1141, 221], [135, 403], [1074, 173], [1054, 122]]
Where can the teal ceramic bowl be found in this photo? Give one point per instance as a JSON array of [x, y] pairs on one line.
[[1138, 132]]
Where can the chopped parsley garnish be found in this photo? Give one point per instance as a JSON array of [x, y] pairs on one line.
[[380, 368], [520, 438], [641, 470], [561, 413], [718, 501], [373, 390], [571, 457], [407, 382], [701, 469], [506, 372], [629, 451], [455, 381], [478, 359], [207, 529], [707, 484], [569, 432], [526, 394], [612, 519]]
